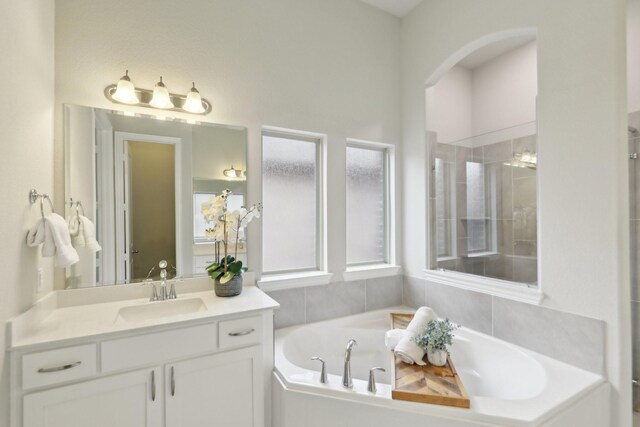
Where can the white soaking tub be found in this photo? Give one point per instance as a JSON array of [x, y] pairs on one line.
[[508, 385]]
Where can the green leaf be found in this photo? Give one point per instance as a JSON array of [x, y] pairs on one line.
[[227, 277], [235, 267], [213, 267], [215, 274]]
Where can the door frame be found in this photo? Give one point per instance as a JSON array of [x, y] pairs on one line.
[[123, 233]]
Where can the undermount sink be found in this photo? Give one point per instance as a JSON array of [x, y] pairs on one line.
[[160, 309]]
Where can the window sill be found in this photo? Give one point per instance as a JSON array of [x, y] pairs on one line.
[[496, 287], [277, 282], [370, 272]]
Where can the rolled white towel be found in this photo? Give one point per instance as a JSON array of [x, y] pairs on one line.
[[407, 350], [420, 320], [393, 337]]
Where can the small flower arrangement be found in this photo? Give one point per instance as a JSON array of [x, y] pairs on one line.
[[226, 228], [436, 339]]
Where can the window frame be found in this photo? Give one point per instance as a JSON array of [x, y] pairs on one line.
[[319, 271], [355, 271]]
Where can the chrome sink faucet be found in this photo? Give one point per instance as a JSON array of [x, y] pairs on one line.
[[164, 295], [347, 382]]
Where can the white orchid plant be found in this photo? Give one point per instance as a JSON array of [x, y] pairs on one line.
[[226, 228]]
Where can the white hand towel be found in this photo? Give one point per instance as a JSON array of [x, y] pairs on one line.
[[40, 234], [53, 233], [393, 337], [66, 255], [83, 233], [407, 350], [89, 234]]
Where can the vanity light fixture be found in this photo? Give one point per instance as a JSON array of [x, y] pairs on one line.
[[193, 104], [161, 98], [125, 93], [526, 159], [232, 173]]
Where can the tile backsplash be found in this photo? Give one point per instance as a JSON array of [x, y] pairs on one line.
[[574, 339], [316, 303]]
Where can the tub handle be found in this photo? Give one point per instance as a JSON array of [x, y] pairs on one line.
[[371, 385], [323, 370]]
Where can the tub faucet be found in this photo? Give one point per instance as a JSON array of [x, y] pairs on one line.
[[346, 376]]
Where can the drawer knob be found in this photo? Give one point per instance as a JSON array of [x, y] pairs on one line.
[[59, 368], [241, 333]]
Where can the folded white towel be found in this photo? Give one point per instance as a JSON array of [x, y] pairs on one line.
[[407, 350], [53, 233], [392, 337], [83, 233]]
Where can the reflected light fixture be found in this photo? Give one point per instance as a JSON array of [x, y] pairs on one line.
[[161, 98], [232, 173], [125, 91], [526, 159], [193, 104]]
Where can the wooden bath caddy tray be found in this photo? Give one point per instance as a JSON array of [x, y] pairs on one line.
[[439, 385]]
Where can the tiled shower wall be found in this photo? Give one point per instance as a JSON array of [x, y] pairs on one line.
[[577, 340], [515, 216]]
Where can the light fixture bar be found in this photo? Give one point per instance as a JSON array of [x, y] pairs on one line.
[[145, 95]]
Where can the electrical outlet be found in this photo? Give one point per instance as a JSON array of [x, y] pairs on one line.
[[39, 280]]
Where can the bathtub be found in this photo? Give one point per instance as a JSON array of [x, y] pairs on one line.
[[508, 385]]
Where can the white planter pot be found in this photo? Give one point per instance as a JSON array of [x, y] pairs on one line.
[[437, 357]]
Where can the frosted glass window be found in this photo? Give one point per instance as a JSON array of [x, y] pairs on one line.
[[290, 201], [476, 209], [366, 211]]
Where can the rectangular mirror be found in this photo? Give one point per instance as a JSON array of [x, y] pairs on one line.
[[141, 180]]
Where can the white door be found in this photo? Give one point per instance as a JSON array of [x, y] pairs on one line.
[[223, 390], [127, 400]]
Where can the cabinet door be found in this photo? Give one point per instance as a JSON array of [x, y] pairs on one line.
[[224, 389], [128, 400]]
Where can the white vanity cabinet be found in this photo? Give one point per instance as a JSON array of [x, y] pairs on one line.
[[214, 372], [126, 400], [219, 390]]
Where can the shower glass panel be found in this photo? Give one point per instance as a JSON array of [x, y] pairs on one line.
[[485, 212]]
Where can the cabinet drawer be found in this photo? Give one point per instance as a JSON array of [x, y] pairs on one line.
[[57, 366], [240, 332], [149, 349]]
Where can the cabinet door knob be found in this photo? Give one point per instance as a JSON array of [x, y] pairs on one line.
[[241, 333], [59, 368], [153, 386], [173, 383]]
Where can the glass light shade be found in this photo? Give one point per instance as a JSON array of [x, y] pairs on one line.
[[232, 173], [193, 104], [161, 98], [125, 91]]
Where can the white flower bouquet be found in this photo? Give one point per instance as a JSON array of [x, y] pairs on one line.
[[226, 228]]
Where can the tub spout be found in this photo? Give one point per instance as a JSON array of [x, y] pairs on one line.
[[347, 382]]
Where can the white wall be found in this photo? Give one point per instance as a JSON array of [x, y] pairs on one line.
[[505, 90], [496, 95], [452, 106], [26, 129], [633, 54], [583, 221], [327, 66]]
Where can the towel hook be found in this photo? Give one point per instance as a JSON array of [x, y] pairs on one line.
[[34, 196]]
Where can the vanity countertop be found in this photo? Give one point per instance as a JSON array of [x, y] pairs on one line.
[[52, 320]]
